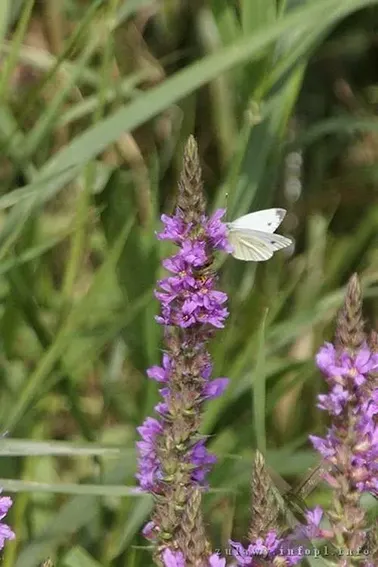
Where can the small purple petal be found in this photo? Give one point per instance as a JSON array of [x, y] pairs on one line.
[[215, 388], [173, 558], [314, 517], [149, 530], [216, 561]]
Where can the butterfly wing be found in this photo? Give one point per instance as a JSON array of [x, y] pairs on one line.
[[254, 245], [247, 249], [265, 221]]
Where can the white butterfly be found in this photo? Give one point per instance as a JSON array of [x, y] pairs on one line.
[[252, 238]]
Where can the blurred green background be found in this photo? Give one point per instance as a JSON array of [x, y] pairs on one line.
[[97, 100]]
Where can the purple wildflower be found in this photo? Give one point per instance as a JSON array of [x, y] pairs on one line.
[[314, 517], [187, 299], [266, 548], [173, 459], [158, 373], [201, 461], [194, 253], [350, 445], [351, 398], [215, 388], [338, 367], [175, 229], [5, 531], [335, 401], [217, 231]]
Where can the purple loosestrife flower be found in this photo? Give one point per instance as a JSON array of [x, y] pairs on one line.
[[271, 549], [173, 459], [5, 531], [350, 445]]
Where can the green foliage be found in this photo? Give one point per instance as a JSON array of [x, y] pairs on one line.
[[93, 120]]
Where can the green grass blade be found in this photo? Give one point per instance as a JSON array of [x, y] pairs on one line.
[[26, 447], [4, 18], [18, 38], [259, 390], [16, 486]]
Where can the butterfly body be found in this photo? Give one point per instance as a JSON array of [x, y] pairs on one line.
[[252, 236]]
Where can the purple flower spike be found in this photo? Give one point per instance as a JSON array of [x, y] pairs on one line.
[[172, 463], [350, 446], [350, 399]]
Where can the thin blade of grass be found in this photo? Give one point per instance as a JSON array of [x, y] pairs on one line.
[[18, 486], [26, 447], [11, 61], [259, 389], [4, 18]]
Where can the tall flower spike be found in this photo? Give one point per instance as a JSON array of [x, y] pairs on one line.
[[351, 443], [173, 459]]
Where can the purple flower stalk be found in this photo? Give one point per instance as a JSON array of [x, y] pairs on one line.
[[350, 368], [5, 531], [173, 459]]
